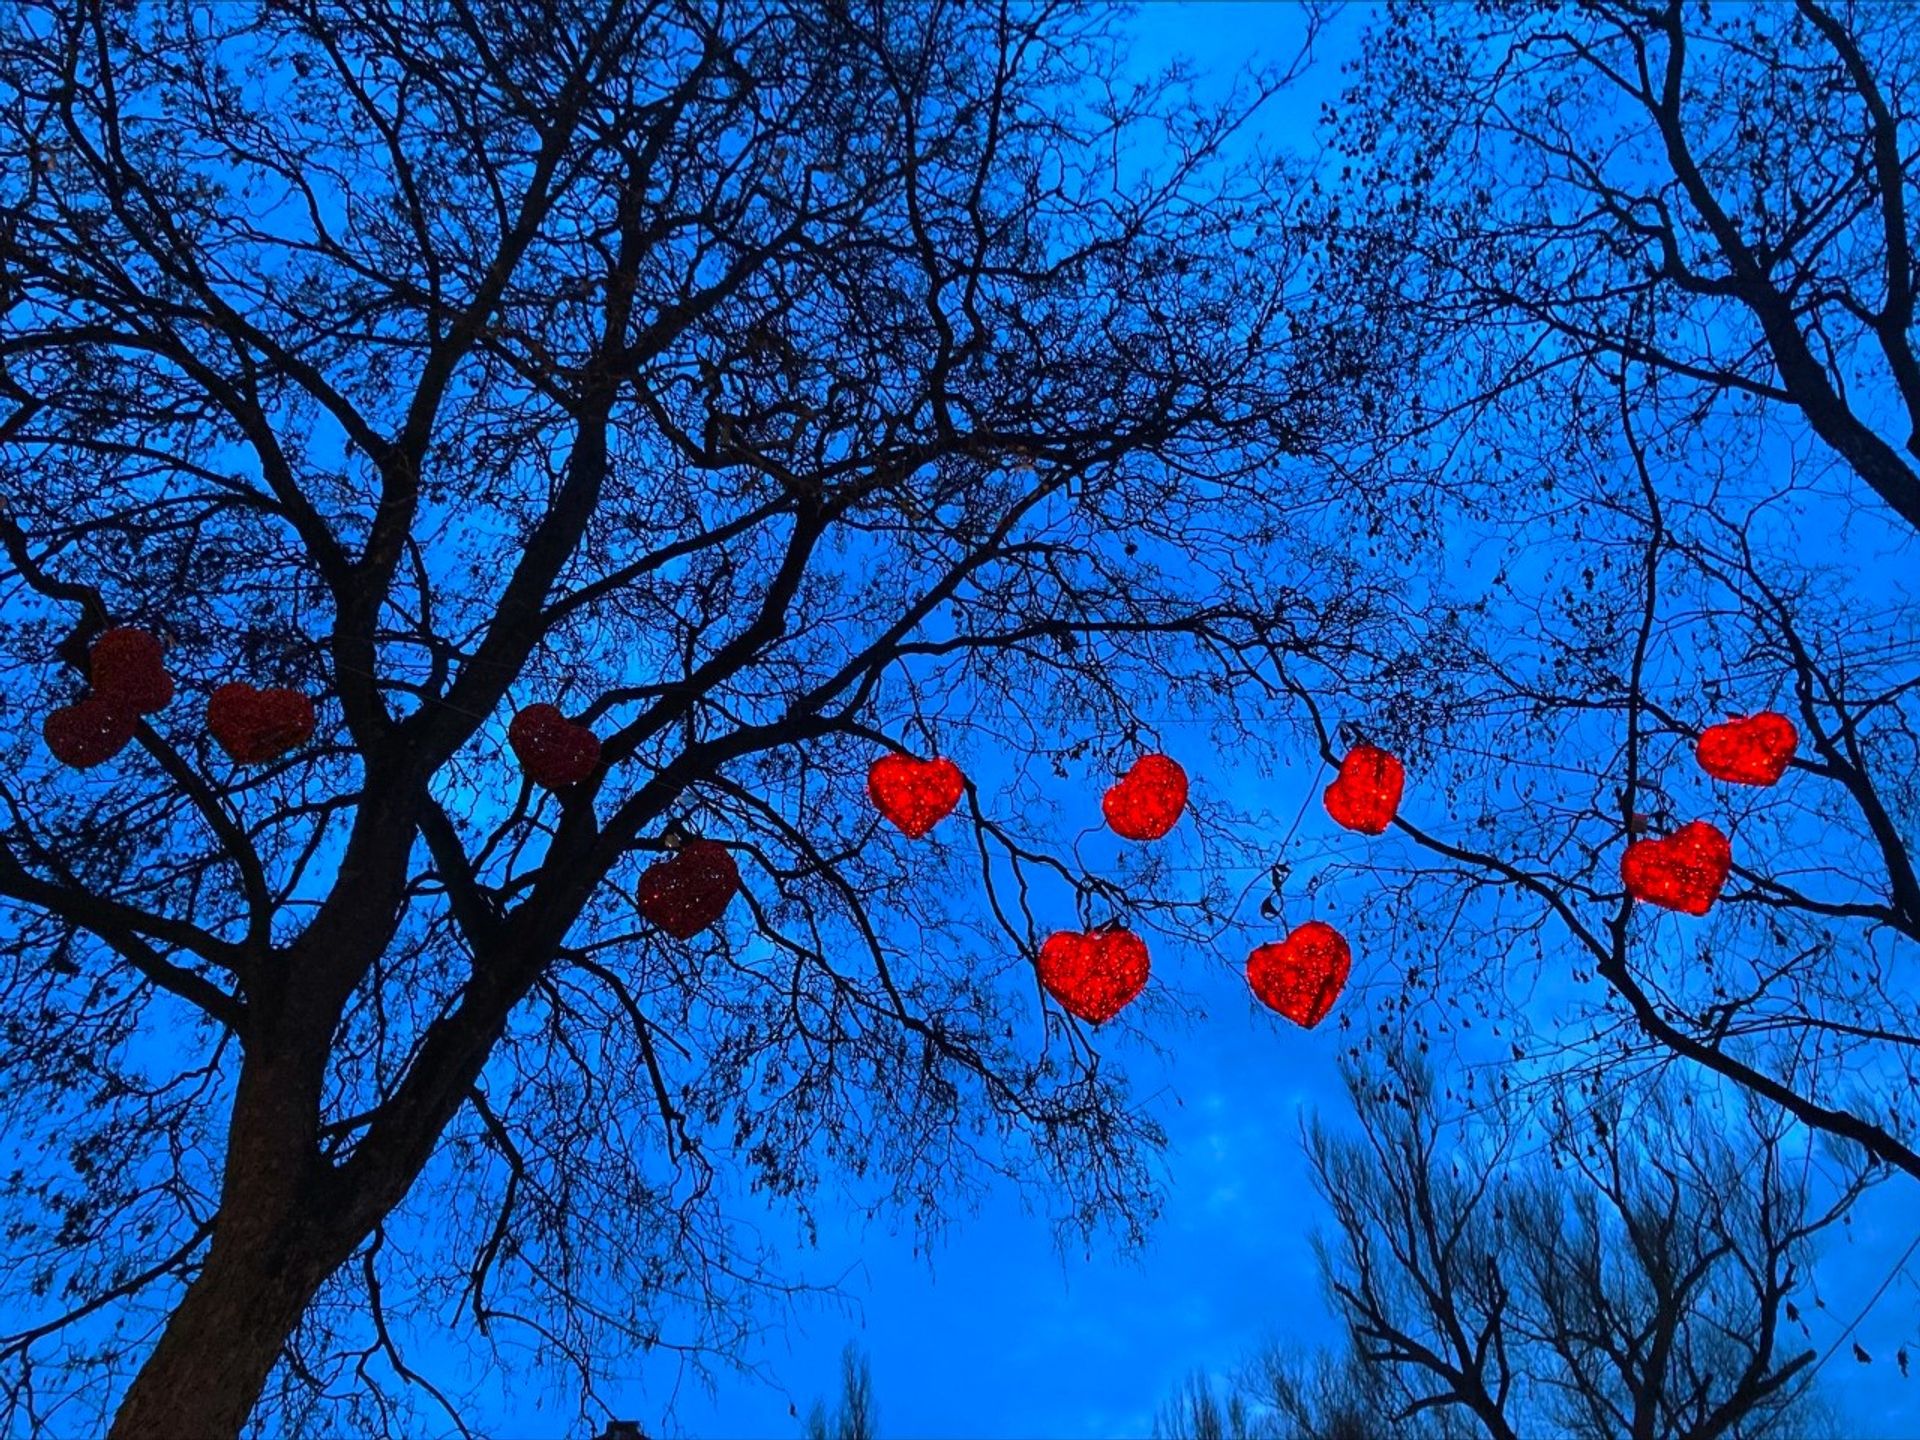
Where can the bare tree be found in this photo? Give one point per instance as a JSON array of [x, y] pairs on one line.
[[1198, 1412], [1628, 1267], [854, 1416], [766, 386], [1326, 1395]]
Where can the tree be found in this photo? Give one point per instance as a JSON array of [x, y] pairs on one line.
[[1324, 1396], [768, 386], [1653, 272], [1199, 1413], [1636, 1274], [853, 1418]]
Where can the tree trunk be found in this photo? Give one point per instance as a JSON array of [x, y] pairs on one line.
[[206, 1373], [276, 1239]]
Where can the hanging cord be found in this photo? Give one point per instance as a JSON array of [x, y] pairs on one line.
[[1279, 871], [1873, 1300], [1305, 801]]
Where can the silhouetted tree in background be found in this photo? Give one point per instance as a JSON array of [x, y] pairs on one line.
[[1631, 1265], [1286, 1393], [766, 385], [853, 1417], [1198, 1412], [1636, 1278]]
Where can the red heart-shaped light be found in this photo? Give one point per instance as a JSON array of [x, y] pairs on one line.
[[914, 794], [685, 894], [88, 732], [126, 667], [1302, 975], [551, 748], [1750, 751], [1146, 802], [1365, 794], [1095, 973], [253, 726], [1683, 871]]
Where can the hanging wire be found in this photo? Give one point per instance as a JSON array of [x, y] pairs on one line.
[[1872, 1300]]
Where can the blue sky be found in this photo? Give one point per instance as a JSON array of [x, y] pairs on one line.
[[999, 1334], [996, 1331]]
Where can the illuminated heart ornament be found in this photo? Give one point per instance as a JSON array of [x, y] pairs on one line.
[[253, 726], [1683, 871], [1093, 973], [1365, 794], [914, 794], [551, 748], [89, 732], [1302, 975], [126, 668], [1750, 751], [1146, 802], [686, 893]]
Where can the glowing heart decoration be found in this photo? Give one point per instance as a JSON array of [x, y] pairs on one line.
[[1751, 751], [254, 726], [1146, 802], [1365, 794], [1684, 871], [88, 733], [126, 668], [1302, 975], [686, 893], [551, 748], [914, 794], [1095, 973]]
